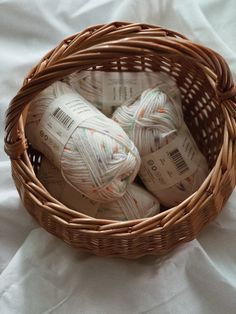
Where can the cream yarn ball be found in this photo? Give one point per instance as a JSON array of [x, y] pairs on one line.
[[136, 202], [153, 121], [97, 158]]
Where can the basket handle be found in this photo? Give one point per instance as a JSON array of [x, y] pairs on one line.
[[109, 42]]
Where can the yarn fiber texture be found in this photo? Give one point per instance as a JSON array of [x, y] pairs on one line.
[[136, 202], [99, 159], [89, 85], [154, 120], [109, 90]]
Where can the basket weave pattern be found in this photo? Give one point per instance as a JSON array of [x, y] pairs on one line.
[[209, 103]]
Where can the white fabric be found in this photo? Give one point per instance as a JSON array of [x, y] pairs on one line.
[[45, 276]]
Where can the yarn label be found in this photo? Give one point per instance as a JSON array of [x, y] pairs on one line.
[[78, 201], [58, 123], [109, 90], [172, 163], [119, 87], [50, 176]]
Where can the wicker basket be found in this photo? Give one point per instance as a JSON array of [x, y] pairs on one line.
[[209, 104]]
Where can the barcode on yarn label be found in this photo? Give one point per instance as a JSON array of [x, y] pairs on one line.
[[178, 160], [59, 121], [172, 163], [63, 118]]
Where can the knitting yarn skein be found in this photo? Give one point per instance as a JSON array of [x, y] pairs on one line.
[[153, 121], [136, 202], [93, 153]]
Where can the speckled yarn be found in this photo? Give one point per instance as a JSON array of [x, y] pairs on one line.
[[136, 202], [153, 121], [99, 159]]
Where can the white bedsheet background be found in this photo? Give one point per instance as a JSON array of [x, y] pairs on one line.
[[39, 273]]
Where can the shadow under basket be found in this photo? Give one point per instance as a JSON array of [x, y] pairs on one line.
[[209, 105]]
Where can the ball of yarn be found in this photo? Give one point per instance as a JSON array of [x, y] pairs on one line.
[[153, 121], [98, 158], [136, 202]]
